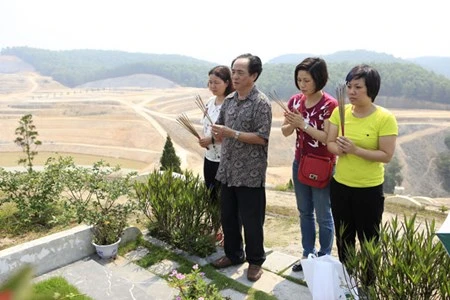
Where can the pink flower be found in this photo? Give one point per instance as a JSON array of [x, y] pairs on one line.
[[180, 276]]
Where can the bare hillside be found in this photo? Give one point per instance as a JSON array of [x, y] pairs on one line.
[[136, 80], [13, 64], [133, 122]]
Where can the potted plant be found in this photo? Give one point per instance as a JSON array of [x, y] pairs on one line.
[[102, 197]]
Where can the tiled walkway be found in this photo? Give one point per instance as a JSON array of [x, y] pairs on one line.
[[121, 279]]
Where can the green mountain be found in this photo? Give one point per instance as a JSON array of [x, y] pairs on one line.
[[76, 67], [354, 56], [439, 65], [403, 82]]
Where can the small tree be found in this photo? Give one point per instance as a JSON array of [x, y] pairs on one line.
[[392, 175], [447, 141], [443, 168], [443, 165], [169, 159], [27, 139]]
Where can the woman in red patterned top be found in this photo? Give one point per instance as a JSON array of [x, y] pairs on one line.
[[309, 111]]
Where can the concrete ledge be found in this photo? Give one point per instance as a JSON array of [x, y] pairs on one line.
[[53, 251]]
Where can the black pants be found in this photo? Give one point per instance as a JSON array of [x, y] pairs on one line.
[[246, 205], [209, 173], [359, 210]]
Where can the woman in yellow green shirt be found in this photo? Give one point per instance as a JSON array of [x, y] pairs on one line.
[[356, 191]]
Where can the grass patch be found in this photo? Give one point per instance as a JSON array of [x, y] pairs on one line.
[[283, 211], [57, 288]]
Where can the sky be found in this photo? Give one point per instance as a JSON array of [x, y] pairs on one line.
[[218, 31]]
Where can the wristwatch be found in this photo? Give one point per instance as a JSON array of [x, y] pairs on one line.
[[305, 127], [237, 134]]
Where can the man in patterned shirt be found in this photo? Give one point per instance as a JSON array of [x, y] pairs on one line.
[[243, 127]]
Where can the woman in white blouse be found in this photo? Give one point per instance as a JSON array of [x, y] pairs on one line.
[[220, 85]]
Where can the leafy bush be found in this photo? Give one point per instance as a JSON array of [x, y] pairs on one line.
[[8, 221], [179, 211], [94, 194], [193, 286], [35, 194], [408, 262]]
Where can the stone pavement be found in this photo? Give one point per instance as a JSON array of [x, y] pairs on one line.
[[121, 279]]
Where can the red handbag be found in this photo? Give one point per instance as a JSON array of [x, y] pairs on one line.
[[315, 170]]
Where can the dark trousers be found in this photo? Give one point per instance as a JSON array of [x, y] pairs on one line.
[[246, 206], [209, 173], [359, 210]]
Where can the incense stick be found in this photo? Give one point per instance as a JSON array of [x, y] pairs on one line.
[[340, 94], [203, 108], [184, 121], [274, 97]]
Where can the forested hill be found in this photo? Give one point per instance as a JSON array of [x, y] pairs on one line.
[[401, 79], [76, 67], [355, 56]]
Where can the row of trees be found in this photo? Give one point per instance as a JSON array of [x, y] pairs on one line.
[[75, 67]]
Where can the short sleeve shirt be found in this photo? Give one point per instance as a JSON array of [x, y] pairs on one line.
[[353, 170], [315, 116], [213, 151], [243, 164]]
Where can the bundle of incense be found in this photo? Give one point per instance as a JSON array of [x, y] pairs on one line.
[[274, 97], [340, 95], [184, 121], [201, 105]]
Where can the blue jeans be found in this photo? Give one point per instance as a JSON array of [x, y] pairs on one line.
[[310, 199]]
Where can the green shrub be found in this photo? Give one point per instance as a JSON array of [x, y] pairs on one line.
[[102, 197], [179, 211], [35, 194], [8, 221], [408, 262]]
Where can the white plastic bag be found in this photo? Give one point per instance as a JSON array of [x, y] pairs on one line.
[[326, 278]]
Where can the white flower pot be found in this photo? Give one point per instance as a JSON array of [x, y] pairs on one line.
[[107, 251]]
